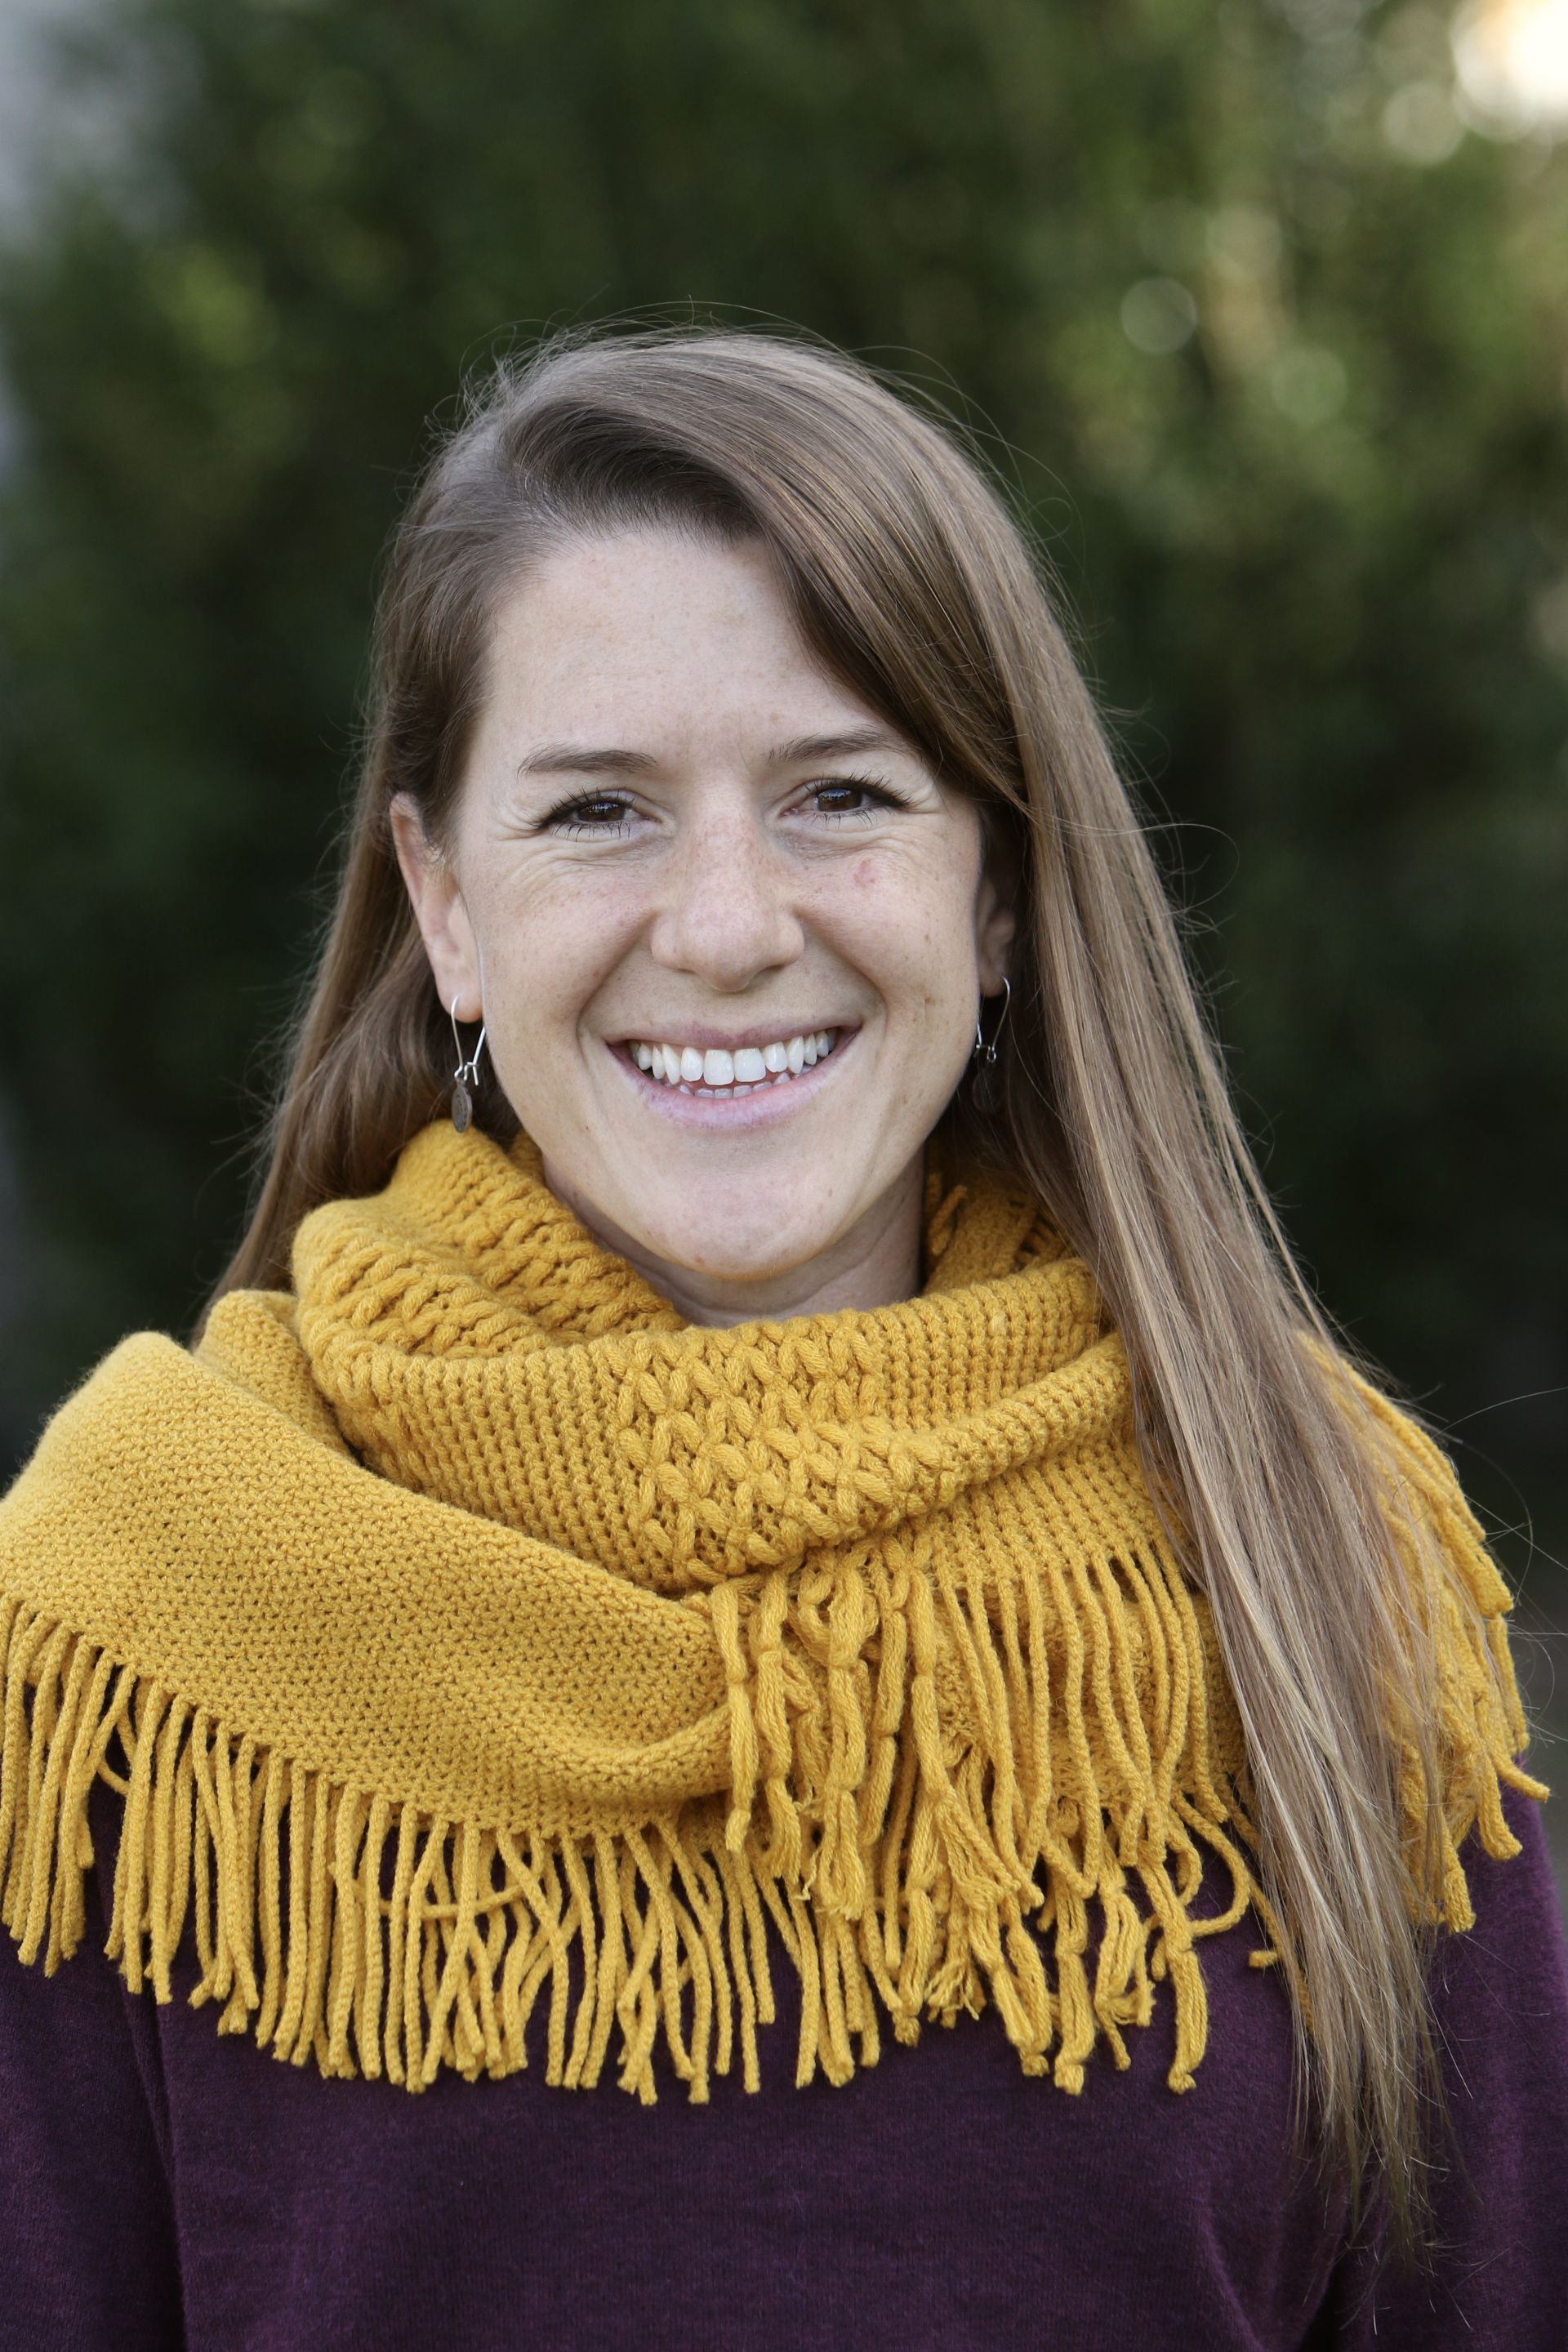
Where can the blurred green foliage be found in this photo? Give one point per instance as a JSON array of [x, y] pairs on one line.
[[1285, 348]]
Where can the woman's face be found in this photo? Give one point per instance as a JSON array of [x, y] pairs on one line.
[[726, 932]]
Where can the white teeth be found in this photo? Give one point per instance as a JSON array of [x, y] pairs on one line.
[[719, 1071]]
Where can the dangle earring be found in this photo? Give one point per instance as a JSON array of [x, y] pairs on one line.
[[466, 1077], [984, 1047], [983, 1056]]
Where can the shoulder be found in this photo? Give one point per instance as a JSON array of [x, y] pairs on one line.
[[152, 1407], [159, 1458]]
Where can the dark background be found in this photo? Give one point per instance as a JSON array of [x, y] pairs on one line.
[[1267, 334]]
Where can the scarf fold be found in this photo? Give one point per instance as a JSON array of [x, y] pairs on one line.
[[463, 1632]]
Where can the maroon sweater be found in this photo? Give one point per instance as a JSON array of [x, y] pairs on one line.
[[161, 2186]]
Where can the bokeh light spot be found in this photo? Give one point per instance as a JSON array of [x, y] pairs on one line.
[[1419, 122], [1512, 62], [1308, 383], [1158, 314]]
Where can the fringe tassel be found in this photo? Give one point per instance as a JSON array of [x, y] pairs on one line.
[[946, 1791]]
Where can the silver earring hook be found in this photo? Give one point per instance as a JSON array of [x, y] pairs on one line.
[[985, 1047], [466, 1077]]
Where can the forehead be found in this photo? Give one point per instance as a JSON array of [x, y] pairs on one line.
[[656, 630]]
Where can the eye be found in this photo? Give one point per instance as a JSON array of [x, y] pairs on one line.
[[593, 813], [845, 798]]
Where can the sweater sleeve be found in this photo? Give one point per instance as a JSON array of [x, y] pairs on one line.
[[1500, 2196], [87, 2239]]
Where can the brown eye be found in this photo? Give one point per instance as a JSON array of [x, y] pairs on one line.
[[595, 813], [846, 797]]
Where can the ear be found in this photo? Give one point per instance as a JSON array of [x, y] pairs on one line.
[[439, 911], [996, 926]]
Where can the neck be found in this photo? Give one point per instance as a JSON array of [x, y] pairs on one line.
[[875, 1263]]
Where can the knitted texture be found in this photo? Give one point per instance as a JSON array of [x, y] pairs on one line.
[[463, 1630]]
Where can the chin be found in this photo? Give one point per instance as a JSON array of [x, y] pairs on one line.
[[748, 1232], [732, 1258]]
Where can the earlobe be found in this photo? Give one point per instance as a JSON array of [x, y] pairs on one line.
[[439, 911]]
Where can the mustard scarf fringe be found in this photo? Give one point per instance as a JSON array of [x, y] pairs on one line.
[[463, 1631]]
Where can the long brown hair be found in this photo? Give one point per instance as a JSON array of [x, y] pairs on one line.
[[918, 589]]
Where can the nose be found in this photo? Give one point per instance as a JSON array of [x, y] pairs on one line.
[[725, 912]]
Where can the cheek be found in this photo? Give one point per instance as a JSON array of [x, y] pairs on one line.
[[543, 952], [913, 935]]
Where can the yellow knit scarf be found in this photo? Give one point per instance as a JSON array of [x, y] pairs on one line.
[[464, 1631]]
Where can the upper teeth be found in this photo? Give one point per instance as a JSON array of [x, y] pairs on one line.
[[747, 1065]]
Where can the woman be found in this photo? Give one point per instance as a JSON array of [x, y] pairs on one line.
[[788, 1539]]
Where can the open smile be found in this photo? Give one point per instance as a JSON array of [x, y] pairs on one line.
[[724, 1075]]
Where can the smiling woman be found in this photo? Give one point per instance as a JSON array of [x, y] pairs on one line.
[[763, 1478]]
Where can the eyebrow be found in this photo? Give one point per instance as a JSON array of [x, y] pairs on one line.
[[842, 746], [577, 759], [595, 759]]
